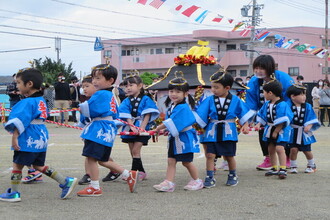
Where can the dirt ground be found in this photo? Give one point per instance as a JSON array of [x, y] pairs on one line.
[[300, 196]]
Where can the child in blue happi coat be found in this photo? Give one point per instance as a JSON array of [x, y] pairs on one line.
[[182, 139], [30, 135], [99, 135], [276, 116], [217, 114], [303, 123], [140, 110]]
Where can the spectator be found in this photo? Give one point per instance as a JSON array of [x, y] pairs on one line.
[[300, 79], [13, 92], [325, 101], [62, 97], [247, 80], [49, 96], [316, 97], [75, 96]]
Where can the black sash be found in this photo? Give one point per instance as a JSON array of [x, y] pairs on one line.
[[261, 93], [135, 102], [222, 110], [272, 117], [298, 119]]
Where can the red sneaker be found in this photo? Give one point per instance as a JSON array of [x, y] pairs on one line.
[[132, 180], [90, 191]]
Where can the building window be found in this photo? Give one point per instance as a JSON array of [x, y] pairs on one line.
[[137, 52], [218, 48], [169, 50], [323, 42], [159, 51], [179, 49], [323, 70], [243, 72], [232, 72], [243, 46], [152, 51], [231, 47], [123, 52], [270, 44], [108, 53], [293, 71]]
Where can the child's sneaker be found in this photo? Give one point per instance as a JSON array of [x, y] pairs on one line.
[[86, 179], [194, 185], [271, 172], [209, 182], [232, 180], [224, 165], [282, 174], [265, 165], [38, 180], [112, 176], [132, 180], [310, 169], [293, 170], [165, 186], [142, 176], [90, 192], [32, 175], [10, 196], [288, 163], [67, 188]]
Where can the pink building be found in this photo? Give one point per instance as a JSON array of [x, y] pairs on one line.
[[156, 54]]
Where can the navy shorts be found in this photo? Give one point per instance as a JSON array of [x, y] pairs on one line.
[[29, 158], [96, 151], [142, 139], [284, 144], [300, 147], [187, 157], [223, 148]]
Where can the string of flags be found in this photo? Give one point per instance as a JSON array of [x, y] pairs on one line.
[[198, 14]]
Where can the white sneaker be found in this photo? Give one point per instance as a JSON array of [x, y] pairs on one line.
[[310, 170], [165, 186], [194, 185], [224, 165], [293, 170]]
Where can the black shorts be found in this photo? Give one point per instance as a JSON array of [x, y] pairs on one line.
[[187, 157], [29, 158], [300, 147], [96, 151], [142, 139], [222, 148]]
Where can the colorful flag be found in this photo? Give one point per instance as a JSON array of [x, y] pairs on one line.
[[315, 52], [143, 2], [189, 11], [262, 36], [309, 49], [178, 8], [230, 20], [202, 16], [302, 47], [294, 45], [322, 53], [238, 25], [257, 32], [246, 31], [218, 18], [157, 3], [288, 44]]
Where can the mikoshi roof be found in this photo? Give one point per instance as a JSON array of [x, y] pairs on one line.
[[195, 74]]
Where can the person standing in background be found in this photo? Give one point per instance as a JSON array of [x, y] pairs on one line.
[[13, 92], [316, 97], [62, 96], [325, 101], [75, 95]]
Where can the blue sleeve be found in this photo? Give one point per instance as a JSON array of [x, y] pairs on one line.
[[283, 114], [311, 118], [202, 112], [125, 109], [286, 82], [243, 112], [252, 94], [262, 114], [149, 107]]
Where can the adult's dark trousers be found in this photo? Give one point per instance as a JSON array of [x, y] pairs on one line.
[[324, 108]]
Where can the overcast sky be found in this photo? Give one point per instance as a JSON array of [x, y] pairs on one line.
[[25, 21]]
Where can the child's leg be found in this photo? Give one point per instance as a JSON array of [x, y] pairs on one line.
[[293, 157], [308, 154], [280, 151], [272, 155], [231, 162], [310, 160], [16, 176], [171, 169], [192, 169], [52, 173], [210, 164], [136, 155]]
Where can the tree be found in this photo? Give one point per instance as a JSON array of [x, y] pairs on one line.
[[51, 68], [147, 78]]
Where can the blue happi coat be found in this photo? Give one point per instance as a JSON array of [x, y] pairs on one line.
[[281, 114], [179, 123], [207, 117], [28, 117], [144, 106], [102, 109], [254, 95], [306, 117]]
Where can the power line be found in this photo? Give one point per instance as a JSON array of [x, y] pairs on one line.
[[302, 7], [19, 50]]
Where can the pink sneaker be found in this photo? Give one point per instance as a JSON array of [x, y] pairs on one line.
[[165, 186], [142, 176], [266, 165], [194, 185], [288, 163]]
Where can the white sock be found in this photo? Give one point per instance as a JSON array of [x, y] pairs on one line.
[[125, 174], [95, 184], [293, 163], [311, 163]]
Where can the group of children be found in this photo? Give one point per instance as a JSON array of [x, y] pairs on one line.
[[285, 122]]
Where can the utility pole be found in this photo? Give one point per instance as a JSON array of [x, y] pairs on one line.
[[58, 47], [254, 21], [120, 62], [326, 40]]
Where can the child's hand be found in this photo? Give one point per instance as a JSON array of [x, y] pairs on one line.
[[308, 128], [245, 129], [14, 143], [134, 130], [257, 127]]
